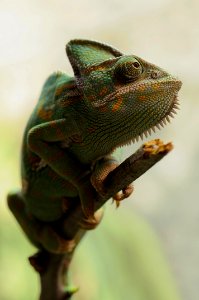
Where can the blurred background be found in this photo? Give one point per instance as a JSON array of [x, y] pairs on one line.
[[149, 248]]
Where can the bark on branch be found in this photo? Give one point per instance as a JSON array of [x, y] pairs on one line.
[[53, 268]]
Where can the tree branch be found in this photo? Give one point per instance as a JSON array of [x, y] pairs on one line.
[[53, 269]]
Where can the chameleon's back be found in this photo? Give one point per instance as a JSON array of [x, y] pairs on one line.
[[45, 110], [36, 175]]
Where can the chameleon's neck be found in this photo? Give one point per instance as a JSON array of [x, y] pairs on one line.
[[102, 129], [101, 132]]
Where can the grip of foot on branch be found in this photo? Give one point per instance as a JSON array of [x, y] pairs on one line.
[[53, 268]]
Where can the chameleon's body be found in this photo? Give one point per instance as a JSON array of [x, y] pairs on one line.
[[78, 122]]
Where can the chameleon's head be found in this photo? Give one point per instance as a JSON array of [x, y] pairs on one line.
[[123, 89]]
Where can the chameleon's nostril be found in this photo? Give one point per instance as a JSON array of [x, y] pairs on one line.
[[154, 74]]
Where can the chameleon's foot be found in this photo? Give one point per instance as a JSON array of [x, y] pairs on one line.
[[53, 242], [92, 223], [100, 173], [125, 193], [102, 169]]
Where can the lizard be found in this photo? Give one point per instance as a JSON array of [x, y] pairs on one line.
[[112, 100]]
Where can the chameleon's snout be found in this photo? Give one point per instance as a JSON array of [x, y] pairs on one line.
[[177, 84]]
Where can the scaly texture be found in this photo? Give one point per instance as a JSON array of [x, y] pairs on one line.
[[112, 100]]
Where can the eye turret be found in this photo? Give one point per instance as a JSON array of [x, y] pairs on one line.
[[128, 69]]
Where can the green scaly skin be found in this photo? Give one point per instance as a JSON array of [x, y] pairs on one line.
[[77, 123]]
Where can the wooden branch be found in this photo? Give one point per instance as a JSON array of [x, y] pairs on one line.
[[53, 269]]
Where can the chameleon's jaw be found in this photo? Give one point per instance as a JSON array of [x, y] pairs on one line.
[[142, 90], [164, 118], [164, 121], [144, 106]]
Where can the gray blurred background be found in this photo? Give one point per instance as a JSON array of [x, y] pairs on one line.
[[164, 206]]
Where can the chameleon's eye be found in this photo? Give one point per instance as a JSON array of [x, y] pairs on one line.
[[128, 69]]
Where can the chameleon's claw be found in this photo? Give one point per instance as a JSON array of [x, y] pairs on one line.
[[125, 193], [117, 202], [100, 173]]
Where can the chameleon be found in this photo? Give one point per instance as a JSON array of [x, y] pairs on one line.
[[112, 100]]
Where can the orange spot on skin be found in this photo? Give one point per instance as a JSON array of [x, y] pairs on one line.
[[45, 114], [62, 88], [93, 68], [64, 102], [117, 105], [103, 108], [59, 90], [142, 88], [91, 98], [91, 129], [143, 97], [103, 91], [156, 86]]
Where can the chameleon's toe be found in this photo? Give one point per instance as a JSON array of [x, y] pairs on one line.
[[92, 223], [87, 195], [125, 193], [100, 173]]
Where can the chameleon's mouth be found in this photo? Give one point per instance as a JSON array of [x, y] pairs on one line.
[[143, 87]]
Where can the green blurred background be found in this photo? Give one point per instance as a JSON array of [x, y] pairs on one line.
[[149, 248]]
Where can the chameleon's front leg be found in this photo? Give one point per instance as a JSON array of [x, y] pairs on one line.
[[101, 169], [43, 140]]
